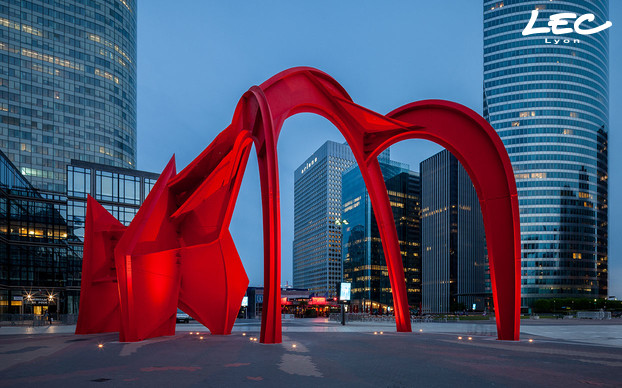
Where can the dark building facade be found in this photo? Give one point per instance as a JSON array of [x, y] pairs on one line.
[[40, 268], [41, 233], [454, 264], [550, 106], [67, 86], [364, 264]]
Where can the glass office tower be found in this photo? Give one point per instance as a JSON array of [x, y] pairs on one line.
[[317, 211], [550, 105], [364, 264], [67, 86], [454, 262]]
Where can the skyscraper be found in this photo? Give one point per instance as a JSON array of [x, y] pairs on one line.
[[550, 106], [317, 211], [452, 238], [67, 86], [364, 264]]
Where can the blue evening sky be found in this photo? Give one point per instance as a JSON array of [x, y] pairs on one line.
[[197, 58]]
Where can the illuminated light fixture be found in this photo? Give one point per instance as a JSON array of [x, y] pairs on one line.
[[100, 346], [190, 333], [459, 338], [470, 338], [293, 345], [243, 334], [421, 330], [381, 333], [375, 332], [530, 340], [201, 337]]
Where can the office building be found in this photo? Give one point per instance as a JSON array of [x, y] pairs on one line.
[[41, 233], [550, 106], [39, 269], [67, 86], [121, 191], [317, 209], [364, 264], [454, 264]]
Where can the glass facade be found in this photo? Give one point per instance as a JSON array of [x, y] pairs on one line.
[[40, 268], [549, 104], [364, 264], [454, 263], [67, 85], [120, 191], [317, 213], [41, 233]]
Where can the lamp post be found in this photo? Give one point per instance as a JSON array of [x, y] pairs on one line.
[[342, 299]]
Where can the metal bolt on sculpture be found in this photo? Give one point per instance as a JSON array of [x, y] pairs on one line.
[[178, 252]]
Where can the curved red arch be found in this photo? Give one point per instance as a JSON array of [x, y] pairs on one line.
[[213, 179]]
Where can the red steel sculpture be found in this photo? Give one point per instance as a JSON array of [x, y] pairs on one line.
[[178, 251]]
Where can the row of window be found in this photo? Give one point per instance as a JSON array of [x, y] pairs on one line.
[[513, 27], [550, 68], [543, 60]]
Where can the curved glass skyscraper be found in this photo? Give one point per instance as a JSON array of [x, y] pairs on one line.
[[67, 85], [547, 97]]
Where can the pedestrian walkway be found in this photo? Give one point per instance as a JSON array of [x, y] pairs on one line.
[[608, 333]]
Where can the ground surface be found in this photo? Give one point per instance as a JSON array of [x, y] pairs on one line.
[[319, 353]]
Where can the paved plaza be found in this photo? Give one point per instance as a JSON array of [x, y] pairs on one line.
[[318, 352]]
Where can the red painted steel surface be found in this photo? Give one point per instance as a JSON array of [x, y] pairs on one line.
[[178, 251]]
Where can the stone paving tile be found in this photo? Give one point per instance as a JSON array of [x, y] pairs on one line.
[[314, 353]]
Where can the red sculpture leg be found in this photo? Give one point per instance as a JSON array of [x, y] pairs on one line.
[[271, 314], [504, 259], [480, 151], [152, 289], [213, 281], [390, 242], [270, 200], [99, 296], [148, 267], [213, 284]]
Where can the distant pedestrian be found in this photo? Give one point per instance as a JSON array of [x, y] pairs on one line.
[[49, 316]]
